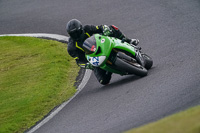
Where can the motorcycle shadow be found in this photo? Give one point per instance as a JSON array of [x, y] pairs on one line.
[[120, 82]]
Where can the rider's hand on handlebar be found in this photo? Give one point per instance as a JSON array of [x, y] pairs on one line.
[[106, 30], [89, 66]]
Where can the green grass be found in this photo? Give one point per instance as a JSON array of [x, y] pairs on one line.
[[184, 122], [35, 76]]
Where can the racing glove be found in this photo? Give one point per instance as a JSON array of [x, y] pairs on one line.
[[89, 66], [106, 30]]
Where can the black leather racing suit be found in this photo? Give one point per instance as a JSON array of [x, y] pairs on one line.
[[76, 51]]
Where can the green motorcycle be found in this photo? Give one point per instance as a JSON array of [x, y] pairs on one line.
[[116, 56]]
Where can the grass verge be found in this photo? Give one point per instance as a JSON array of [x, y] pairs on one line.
[[35, 76], [184, 122]]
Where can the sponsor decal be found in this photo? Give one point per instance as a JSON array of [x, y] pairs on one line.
[[95, 61]]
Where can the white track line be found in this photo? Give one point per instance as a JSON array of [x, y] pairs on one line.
[[80, 87], [53, 113], [53, 36]]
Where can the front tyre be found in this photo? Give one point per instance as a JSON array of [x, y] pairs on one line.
[[102, 76]]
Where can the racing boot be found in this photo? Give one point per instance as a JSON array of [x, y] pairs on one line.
[[134, 42]]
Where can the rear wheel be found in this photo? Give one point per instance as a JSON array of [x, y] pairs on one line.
[[130, 66], [148, 61]]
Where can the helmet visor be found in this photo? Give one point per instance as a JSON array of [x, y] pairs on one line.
[[75, 34]]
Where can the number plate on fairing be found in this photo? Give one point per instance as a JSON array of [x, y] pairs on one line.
[[96, 61]]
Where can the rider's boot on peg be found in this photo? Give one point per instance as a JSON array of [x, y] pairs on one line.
[[134, 43]]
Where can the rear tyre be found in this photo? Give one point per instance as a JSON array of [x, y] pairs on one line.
[[130, 67], [148, 61]]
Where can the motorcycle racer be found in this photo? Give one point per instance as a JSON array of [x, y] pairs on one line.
[[78, 34]]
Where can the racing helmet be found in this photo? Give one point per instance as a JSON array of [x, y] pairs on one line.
[[74, 29]]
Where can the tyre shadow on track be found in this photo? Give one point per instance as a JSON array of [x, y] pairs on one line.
[[117, 83], [112, 85], [125, 80], [120, 82]]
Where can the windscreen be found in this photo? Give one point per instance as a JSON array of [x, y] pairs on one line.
[[89, 45]]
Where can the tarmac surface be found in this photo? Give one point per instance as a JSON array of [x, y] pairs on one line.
[[169, 31]]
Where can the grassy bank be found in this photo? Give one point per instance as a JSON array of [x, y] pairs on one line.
[[35, 76], [184, 122]]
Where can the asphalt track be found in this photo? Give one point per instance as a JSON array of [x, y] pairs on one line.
[[169, 31]]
